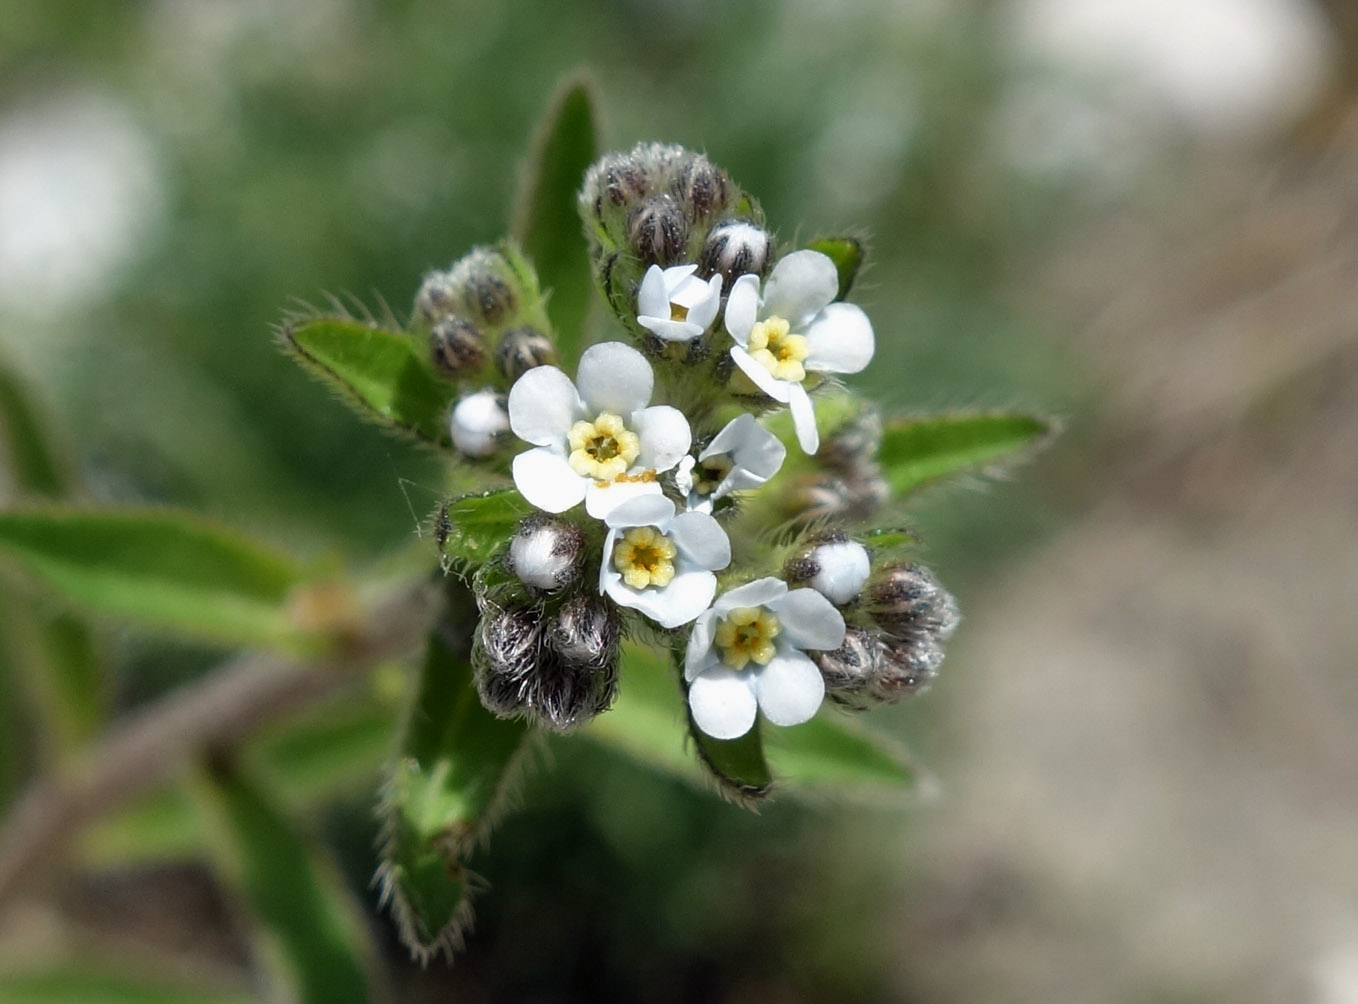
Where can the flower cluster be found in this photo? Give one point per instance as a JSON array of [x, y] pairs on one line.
[[655, 469]]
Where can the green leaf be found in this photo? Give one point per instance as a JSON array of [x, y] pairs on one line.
[[738, 765], [452, 777], [311, 939], [36, 468], [847, 253], [545, 221], [470, 529], [84, 984], [52, 654], [162, 569], [835, 754], [918, 452], [381, 374]]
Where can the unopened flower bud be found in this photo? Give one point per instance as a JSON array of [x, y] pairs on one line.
[[658, 232], [906, 667], [615, 181], [836, 569], [870, 668], [456, 346], [505, 656], [478, 422], [702, 187], [734, 249], [851, 667], [438, 297], [908, 602], [522, 349], [586, 632], [546, 553]]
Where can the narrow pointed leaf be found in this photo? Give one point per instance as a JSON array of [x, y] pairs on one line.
[[545, 221], [311, 939], [161, 569], [51, 654], [86, 984], [35, 464], [471, 528], [451, 780], [916, 453], [381, 374], [847, 253], [737, 765]]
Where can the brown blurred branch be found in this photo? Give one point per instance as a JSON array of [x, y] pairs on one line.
[[213, 713]]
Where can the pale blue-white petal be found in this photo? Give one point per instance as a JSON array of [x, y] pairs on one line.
[[671, 331], [701, 540], [841, 569], [809, 620], [789, 689], [839, 340], [652, 297], [753, 594], [543, 477], [703, 310], [803, 418], [759, 376], [665, 437], [698, 655], [543, 405], [742, 307], [602, 499], [614, 377], [687, 595], [801, 284], [723, 703], [609, 577], [756, 453], [647, 510]]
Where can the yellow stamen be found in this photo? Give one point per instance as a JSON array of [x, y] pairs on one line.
[[644, 557], [603, 449], [707, 474], [678, 313], [746, 634], [777, 350]]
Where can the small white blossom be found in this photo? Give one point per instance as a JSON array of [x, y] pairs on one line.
[[477, 422], [674, 304], [841, 569], [599, 443], [743, 455], [795, 328], [660, 563], [748, 653], [545, 553]]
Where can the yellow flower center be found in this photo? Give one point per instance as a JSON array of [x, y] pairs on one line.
[[603, 449], [678, 313], [644, 557], [747, 634], [707, 474], [778, 351]]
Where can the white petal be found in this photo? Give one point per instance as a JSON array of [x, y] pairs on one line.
[[671, 331], [535, 559], [687, 595], [760, 377], [665, 437], [809, 620], [543, 405], [701, 540], [699, 656], [609, 577], [843, 567], [704, 311], [790, 688], [646, 510], [675, 276], [652, 299], [756, 453], [802, 284], [614, 377], [804, 418], [723, 703], [547, 481], [476, 423], [683, 475], [742, 306], [839, 340], [600, 500], [752, 594]]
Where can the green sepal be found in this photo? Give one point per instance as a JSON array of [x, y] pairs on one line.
[[738, 765], [916, 453], [162, 569], [471, 528], [309, 935], [847, 253], [382, 374], [546, 224]]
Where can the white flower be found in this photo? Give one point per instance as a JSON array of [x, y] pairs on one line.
[[660, 563], [675, 304], [743, 455], [747, 653], [795, 327], [545, 553], [477, 422], [599, 443], [841, 569]]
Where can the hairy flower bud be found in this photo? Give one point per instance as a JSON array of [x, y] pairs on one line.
[[438, 297], [733, 249], [522, 349], [835, 568], [546, 553], [658, 232], [702, 187], [851, 667], [907, 602], [906, 667], [479, 278], [478, 423], [456, 346], [870, 668], [586, 632]]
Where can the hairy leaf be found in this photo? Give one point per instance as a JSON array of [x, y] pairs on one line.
[[918, 452], [847, 253], [471, 528], [162, 569], [381, 373], [545, 221]]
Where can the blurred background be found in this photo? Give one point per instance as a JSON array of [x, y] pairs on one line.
[[1140, 215]]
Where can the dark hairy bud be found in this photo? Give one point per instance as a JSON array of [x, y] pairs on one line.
[[702, 187], [438, 297], [586, 632], [908, 602], [658, 232], [522, 349], [872, 668], [850, 668], [456, 346], [546, 553], [734, 249], [490, 298]]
